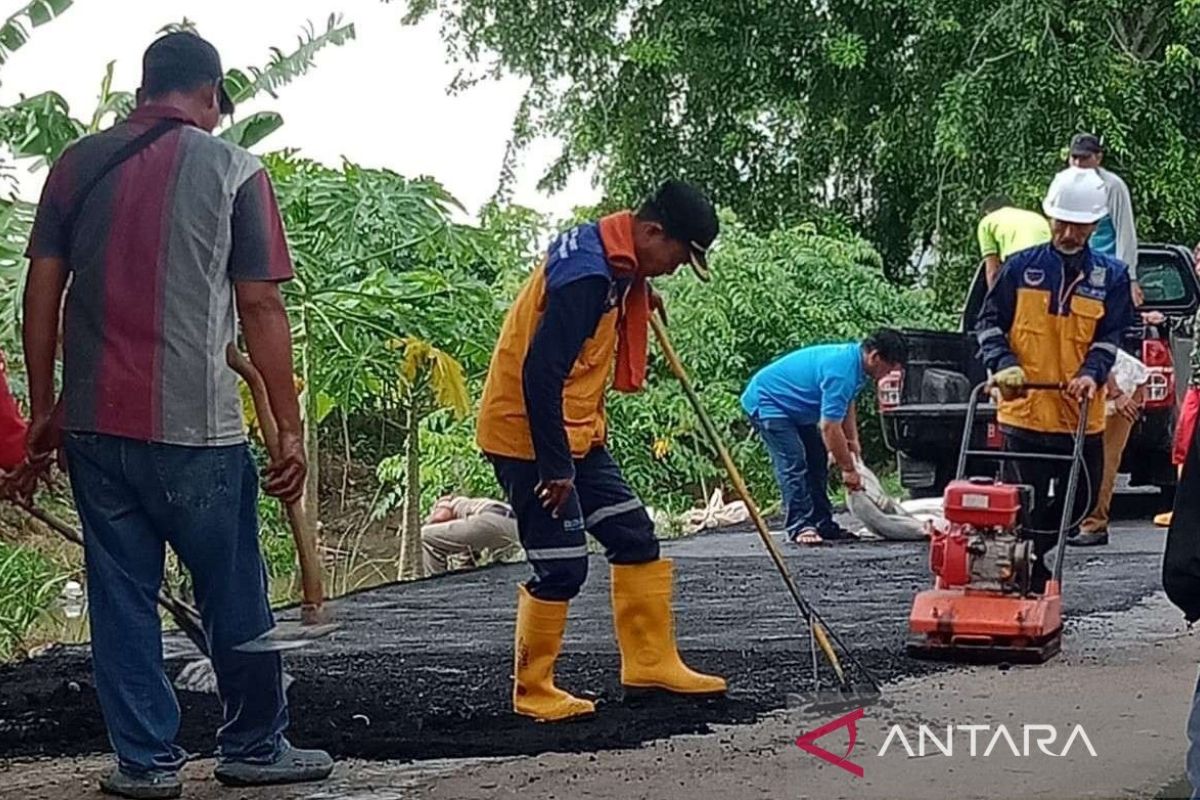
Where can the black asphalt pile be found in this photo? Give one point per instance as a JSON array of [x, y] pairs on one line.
[[422, 670]]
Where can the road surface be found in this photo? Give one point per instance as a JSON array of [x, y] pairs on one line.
[[413, 694]]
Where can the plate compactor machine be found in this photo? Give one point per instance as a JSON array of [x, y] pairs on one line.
[[982, 606]]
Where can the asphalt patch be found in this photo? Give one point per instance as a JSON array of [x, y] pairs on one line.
[[423, 670]]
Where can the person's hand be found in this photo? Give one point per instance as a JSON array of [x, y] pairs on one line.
[[855, 447], [554, 494], [1153, 318], [657, 305], [43, 446], [1083, 387], [441, 512], [1139, 297], [44, 435], [284, 476], [1127, 407], [852, 480], [1010, 381]]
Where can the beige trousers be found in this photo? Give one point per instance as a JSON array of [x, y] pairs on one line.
[[457, 544], [1116, 434]]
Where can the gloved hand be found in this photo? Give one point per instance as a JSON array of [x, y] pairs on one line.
[[1010, 381]]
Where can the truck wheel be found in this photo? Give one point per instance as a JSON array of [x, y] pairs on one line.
[[942, 474]]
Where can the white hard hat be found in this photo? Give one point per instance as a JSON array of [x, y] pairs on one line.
[[1076, 195]]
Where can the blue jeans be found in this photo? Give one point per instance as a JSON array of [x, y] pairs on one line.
[[802, 470], [134, 498]]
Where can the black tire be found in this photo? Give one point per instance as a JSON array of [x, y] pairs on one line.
[[942, 475]]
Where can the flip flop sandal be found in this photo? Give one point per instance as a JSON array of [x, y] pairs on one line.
[[809, 537]]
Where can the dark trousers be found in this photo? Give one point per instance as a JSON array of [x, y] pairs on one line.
[[602, 505], [134, 498], [1049, 482], [801, 465]]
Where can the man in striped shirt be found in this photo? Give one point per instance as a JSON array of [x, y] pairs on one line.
[[167, 236]]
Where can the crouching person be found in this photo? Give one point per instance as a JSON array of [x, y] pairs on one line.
[[461, 529], [542, 425]]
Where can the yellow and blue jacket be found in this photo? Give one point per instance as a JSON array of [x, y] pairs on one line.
[[1057, 321]]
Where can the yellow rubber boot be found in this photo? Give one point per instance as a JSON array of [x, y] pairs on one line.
[[641, 598], [540, 626]]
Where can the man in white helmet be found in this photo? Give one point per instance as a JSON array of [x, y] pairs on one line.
[[1056, 315]]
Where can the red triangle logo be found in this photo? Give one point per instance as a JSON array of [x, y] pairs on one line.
[[807, 742]]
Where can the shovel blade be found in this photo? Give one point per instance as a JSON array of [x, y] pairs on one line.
[[287, 636]]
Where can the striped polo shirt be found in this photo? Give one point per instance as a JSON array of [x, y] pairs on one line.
[[153, 258]]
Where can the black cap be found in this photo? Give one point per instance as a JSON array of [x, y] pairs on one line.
[[183, 60], [1086, 144], [688, 215]]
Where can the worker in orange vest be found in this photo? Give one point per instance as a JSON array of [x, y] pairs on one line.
[[542, 425]]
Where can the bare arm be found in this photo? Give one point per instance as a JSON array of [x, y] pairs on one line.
[[835, 442], [42, 313], [269, 340], [991, 265], [850, 429]]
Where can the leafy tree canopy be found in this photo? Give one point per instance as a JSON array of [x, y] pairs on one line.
[[897, 115]]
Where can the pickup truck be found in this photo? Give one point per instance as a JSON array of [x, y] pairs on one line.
[[923, 407]]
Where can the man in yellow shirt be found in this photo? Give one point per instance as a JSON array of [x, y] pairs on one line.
[[1006, 229]]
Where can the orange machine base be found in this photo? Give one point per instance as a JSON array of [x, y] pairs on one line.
[[961, 624]]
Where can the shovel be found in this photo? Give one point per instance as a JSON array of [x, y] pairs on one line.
[[315, 621]]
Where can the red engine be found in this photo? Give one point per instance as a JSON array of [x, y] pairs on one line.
[[982, 546], [948, 558], [982, 505]]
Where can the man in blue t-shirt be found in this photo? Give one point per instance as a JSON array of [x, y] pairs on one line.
[[802, 405]]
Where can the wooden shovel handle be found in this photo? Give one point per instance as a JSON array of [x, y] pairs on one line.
[[303, 531]]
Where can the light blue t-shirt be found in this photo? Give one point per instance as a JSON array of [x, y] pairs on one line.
[[1104, 238], [808, 385]]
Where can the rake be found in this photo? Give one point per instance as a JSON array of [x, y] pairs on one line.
[[820, 637]]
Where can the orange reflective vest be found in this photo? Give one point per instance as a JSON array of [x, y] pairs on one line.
[[601, 248]]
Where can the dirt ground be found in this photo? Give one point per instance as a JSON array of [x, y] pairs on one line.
[[417, 684]]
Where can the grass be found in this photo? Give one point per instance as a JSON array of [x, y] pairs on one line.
[[29, 584]]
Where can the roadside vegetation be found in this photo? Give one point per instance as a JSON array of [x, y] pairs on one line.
[[849, 163]]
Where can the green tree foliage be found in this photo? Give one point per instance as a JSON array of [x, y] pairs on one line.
[[41, 127], [900, 115], [391, 300]]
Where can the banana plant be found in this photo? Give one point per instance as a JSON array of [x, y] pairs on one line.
[[15, 31], [41, 127], [433, 380]]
